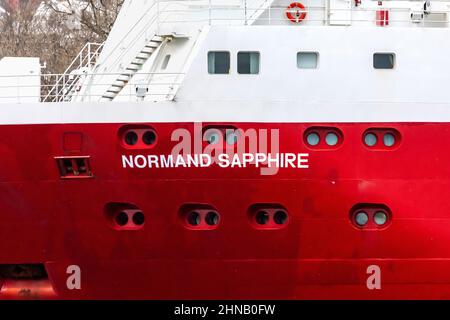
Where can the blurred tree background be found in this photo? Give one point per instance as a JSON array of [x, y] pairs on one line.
[[54, 30]]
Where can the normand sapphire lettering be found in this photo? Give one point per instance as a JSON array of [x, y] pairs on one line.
[[258, 160]]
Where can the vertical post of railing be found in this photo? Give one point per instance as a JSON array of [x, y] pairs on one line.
[[209, 11], [157, 17], [351, 13], [89, 55], [245, 12], [88, 89], [270, 14], [423, 19], [63, 88]]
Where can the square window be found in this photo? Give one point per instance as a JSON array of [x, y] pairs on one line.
[[383, 60], [307, 60], [248, 62], [218, 62]]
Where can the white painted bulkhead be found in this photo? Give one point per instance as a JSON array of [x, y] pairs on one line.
[[20, 80], [344, 88], [344, 34], [141, 20], [345, 71], [346, 38]]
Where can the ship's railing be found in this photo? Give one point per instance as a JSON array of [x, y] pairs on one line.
[[26, 88], [400, 13], [56, 89]]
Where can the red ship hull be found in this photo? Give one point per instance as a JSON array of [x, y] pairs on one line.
[[56, 221]]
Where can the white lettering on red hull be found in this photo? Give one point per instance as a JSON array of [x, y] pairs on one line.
[[245, 160]]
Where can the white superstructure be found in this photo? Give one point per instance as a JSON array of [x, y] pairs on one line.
[[342, 51], [20, 79]]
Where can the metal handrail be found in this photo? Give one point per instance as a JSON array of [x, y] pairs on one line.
[[156, 87], [60, 84], [87, 74], [245, 8], [87, 60]]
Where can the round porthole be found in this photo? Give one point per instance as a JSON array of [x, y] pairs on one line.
[[262, 217], [232, 138], [389, 140], [138, 218], [280, 217], [380, 218], [149, 137], [313, 139], [194, 218], [213, 136], [332, 139], [131, 138], [370, 139], [361, 218], [122, 219], [212, 218]]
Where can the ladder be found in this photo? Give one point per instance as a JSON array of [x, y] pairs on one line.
[[64, 88], [136, 64]]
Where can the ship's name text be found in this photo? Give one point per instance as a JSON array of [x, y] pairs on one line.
[[223, 160]]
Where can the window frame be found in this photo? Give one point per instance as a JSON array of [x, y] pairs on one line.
[[308, 52], [259, 62], [394, 63], [229, 62]]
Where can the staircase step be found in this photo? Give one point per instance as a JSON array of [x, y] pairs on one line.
[[124, 77], [109, 95], [153, 44], [138, 61], [114, 89], [119, 83], [158, 39], [133, 68], [148, 51], [134, 65], [144, 54]]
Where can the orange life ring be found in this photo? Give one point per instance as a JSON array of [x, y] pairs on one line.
[[296, 12]]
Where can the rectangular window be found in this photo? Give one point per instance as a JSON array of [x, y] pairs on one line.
[[307, 60], [248, 62], [383, 60], [218, 62]]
